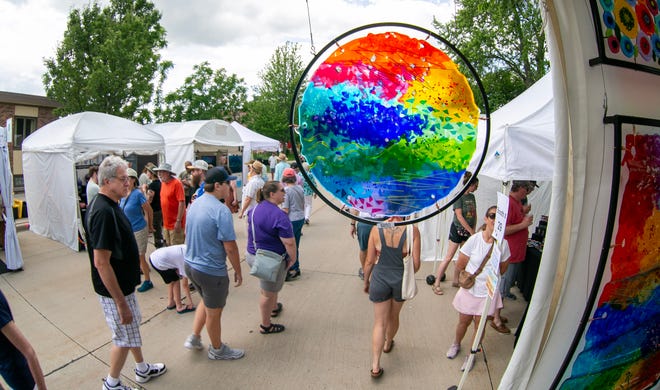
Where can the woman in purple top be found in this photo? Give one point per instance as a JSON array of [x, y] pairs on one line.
[[269, 228]]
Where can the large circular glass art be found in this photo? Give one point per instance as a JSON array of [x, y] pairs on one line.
[[387, 122]]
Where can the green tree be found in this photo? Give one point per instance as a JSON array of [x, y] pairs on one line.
[[268, 112], [505, 43], [108, 60], [206, 94]]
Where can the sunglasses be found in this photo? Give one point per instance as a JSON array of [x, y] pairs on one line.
[[491, 215]]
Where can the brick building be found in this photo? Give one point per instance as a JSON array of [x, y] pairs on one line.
[[28, 113]]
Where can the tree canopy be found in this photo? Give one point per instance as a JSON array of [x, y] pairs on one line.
[[268, 112], [505, 43], [108, 60], [206, 94]]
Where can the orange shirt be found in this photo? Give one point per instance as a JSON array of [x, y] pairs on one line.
[[171, 194]]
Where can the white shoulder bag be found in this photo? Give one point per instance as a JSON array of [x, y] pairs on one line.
[[409, 284]]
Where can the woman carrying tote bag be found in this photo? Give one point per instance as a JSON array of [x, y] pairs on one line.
[[383, 278], [269, 228]]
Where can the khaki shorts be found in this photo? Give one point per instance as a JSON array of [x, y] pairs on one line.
[[142, 236], [173, 238]]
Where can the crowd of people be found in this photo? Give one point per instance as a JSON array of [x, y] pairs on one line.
[[197, 238], [193, 244]]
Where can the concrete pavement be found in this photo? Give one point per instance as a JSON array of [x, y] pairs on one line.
[[326, 344]]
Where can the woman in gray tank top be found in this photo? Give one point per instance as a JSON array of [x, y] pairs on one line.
[[383, 276]]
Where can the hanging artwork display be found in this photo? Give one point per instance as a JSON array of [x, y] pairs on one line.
[[387, 121], [628, 33], [617, 345]]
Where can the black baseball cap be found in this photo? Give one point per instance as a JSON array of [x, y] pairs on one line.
[[218, 175]]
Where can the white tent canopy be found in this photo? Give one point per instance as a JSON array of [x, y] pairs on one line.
[[521, 147], [49, 158], [183, 139], [522, 139]]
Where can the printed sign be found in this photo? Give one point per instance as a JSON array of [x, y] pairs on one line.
[[500, 219]]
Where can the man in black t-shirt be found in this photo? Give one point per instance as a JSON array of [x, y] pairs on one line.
[[115, 266], [153, 196]]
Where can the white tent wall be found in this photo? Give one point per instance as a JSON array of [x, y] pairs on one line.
[[54, 212], [49, 158], [581, 188]]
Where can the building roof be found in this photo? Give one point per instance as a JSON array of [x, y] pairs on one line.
[[27, 100]]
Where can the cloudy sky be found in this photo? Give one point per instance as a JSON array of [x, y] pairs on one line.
[[238, 35]]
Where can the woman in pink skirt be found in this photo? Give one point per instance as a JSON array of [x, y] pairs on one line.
[[470, 302]]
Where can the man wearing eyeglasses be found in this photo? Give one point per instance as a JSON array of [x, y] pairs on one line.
[[115, 264], [516, 234]]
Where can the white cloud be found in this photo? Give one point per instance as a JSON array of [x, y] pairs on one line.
[[238, 35]]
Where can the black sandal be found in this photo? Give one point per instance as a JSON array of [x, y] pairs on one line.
[[273, 328], [277, 311], [376, 375]]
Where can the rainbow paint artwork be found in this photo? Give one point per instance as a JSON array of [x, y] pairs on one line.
[[621, 346], [388, 124]]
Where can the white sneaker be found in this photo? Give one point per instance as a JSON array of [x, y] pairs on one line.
[[453, 351], [118, 386], [193, 342], [153, 370], [225, 353], [465, 364]]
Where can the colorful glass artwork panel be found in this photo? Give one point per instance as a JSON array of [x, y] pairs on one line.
[[621, 347], [388, 124], [630, 30]]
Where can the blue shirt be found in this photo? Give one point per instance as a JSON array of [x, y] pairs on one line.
[[132, 206], [200, 191], [279, 170], [209, 224]]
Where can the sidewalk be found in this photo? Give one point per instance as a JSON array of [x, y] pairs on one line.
[[327, 343]]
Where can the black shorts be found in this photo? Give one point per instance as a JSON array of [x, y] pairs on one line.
[[168, 275], [17, 374], [457, 236]]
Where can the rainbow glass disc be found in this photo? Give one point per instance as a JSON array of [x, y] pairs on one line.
[[388, 124]]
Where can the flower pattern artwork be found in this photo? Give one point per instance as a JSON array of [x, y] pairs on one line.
[[388, 124], [631, 30], [621, 346]]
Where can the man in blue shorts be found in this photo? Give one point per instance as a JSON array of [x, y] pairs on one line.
[[362, 230]]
